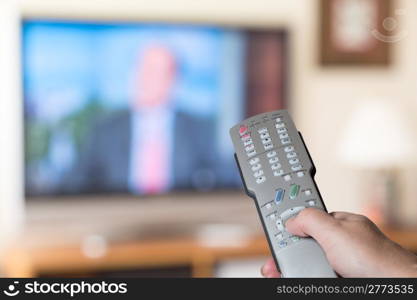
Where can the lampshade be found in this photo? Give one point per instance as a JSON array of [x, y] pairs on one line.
[[377, 135]]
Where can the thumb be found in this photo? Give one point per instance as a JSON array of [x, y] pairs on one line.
[[311, 222]]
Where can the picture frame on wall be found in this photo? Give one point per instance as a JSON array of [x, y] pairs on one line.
[[356, 32]]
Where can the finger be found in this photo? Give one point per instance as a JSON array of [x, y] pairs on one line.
[[269, 269], [311, 222]]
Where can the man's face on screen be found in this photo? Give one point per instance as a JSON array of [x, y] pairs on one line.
[[156, 78]]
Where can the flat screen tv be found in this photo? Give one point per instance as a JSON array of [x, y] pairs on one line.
[[141, 108]]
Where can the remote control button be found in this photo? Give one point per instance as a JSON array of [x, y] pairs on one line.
[[295, 238], [289, 148], [282, 130], [258, 173], [264, 135], [271, 154], [294, 190], [291, 154], [261, 179], [307, 192], [311, 203], [280, 125], [245, 137], [268, 205], [263, 130], [279, 172], [283, 135], [300, 174], [243, 130], [266, 141], [297, 168], [287, 177], [254, 160], [256, 167], [248, 142], [279, 196], [278, 120], [279, 224], [285, 141], [279, 236], [290, 212], [273, 160], [249, 148], [268, 146], [251, 153], [272, 216], [275, 166], [282, 244], [294, 161]]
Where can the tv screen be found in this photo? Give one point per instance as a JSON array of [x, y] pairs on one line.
[[140, 108]]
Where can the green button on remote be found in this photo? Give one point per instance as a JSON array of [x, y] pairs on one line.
[[294, 190]]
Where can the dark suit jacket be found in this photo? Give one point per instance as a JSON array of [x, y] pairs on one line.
[[104, 160]]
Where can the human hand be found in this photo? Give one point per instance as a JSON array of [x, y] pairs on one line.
[[354, 246]]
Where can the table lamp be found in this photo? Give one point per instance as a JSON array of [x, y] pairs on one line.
[[378, 140]]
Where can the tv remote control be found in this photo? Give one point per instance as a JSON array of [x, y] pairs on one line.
[[278, 173]]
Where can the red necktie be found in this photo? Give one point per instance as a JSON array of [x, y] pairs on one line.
[[153, 163]]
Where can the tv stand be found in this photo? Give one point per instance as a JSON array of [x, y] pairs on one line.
[[158, 232]]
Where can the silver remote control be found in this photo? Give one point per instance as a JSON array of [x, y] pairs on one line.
[[278, 173]]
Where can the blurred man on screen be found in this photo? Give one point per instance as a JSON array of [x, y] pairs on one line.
[[151, 147]]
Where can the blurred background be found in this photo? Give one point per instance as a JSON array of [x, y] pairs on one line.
[[115, 158]]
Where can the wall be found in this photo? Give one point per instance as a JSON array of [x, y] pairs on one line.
[[11, 199], [331, 95]]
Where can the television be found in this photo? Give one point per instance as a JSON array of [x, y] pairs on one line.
[[141, 108]]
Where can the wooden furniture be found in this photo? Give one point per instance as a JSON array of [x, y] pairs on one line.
[[51, 243], [406, 237], [158, 253], [159, 232], [21, 262]]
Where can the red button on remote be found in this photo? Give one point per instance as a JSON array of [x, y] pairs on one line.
[[242, 130]]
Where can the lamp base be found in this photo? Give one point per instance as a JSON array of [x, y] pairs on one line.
[[383, 198]]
